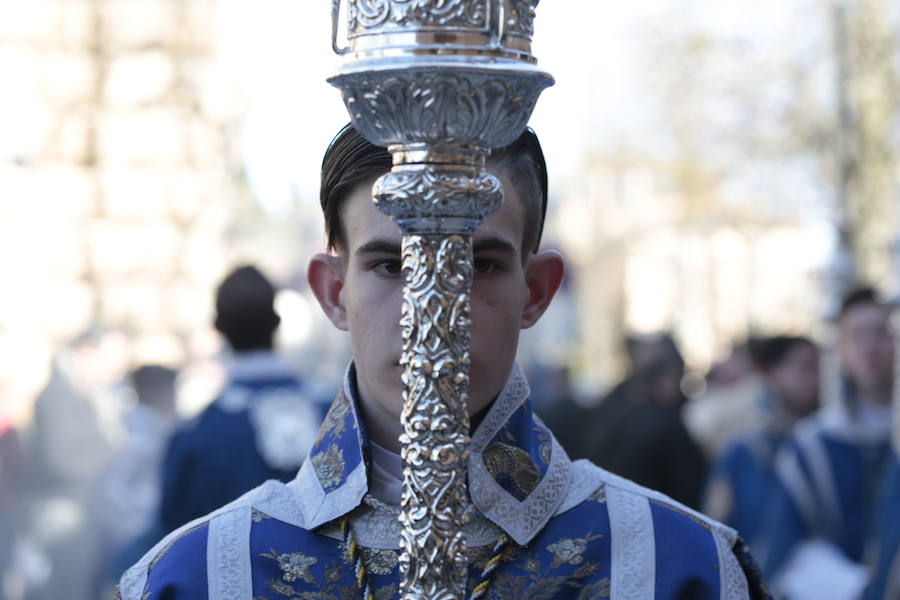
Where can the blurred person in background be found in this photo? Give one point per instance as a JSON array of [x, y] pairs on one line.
[[823, 523], [637, 432], [261, 425], [69, 443], [559, 409], [128, 493], [741, 480], [12, 475], [729, 407]]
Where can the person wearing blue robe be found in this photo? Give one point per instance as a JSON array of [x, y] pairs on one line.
[[540, 525], [740, 487], [260, 426], [832, 469], [886, 577]]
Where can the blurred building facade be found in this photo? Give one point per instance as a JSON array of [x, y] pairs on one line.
[[119, 175], [647, 255]]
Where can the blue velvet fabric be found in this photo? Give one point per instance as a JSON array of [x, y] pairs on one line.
[[886, 576]]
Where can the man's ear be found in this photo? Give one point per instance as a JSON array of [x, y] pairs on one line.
[[325, 275], [543, 274]]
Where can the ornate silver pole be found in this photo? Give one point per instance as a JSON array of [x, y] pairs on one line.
[[439, 83]]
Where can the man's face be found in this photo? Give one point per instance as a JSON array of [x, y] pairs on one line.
[[867, 346], [796, 380], [504, 298]]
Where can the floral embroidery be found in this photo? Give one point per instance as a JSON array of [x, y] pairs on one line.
[[541, 584], [599, 495], [281, 588], [380, 562], [294, 566], [569, 550], [335, 420], [598, 589], [259, 516], [386, 592], [329, 466], [512, 468]]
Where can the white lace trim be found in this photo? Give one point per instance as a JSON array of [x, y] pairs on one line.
[[376, 524], [228, 572], [316, 506], [732, 581], [633, 568], [134, 581], [584, 479], [522, 520], [511, 397]]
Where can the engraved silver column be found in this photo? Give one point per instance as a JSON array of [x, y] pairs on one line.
[[439, 83]]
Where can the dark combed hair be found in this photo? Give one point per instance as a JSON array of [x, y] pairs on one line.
[[859, 296], [351, 159], [245, 309], [768, 353]]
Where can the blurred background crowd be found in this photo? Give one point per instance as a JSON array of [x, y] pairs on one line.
[[724, 188]]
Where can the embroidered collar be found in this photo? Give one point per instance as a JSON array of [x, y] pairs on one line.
[[518, 473]]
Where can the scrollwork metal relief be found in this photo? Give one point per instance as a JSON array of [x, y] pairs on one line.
[[431, 194], [520, 17], [437, 275], [366, 15], [482, 109], [437, 84]]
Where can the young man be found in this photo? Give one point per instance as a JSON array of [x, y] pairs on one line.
[[832, 469], [741, 480], [542, 526]]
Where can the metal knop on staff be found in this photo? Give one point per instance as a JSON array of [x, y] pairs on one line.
[[439, 83]]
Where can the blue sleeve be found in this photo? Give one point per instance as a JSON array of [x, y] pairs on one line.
[[180, 474], [179, 571], [889, 533]]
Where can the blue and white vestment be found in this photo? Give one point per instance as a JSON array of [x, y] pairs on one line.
[[830, 474], [579, 532]]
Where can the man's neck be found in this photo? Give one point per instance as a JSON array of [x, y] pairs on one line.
[[382, 426]]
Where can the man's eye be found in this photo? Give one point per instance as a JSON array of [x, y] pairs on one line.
[[387, 267], [485, 265]]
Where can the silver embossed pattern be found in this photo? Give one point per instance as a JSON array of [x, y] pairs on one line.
[[439, 83], [520, 17], [365, 15], [471, 107], [437, 275]]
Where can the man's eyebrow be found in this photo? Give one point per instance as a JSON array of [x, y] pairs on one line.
[[493, 244], [379, 246], [486, 244]]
